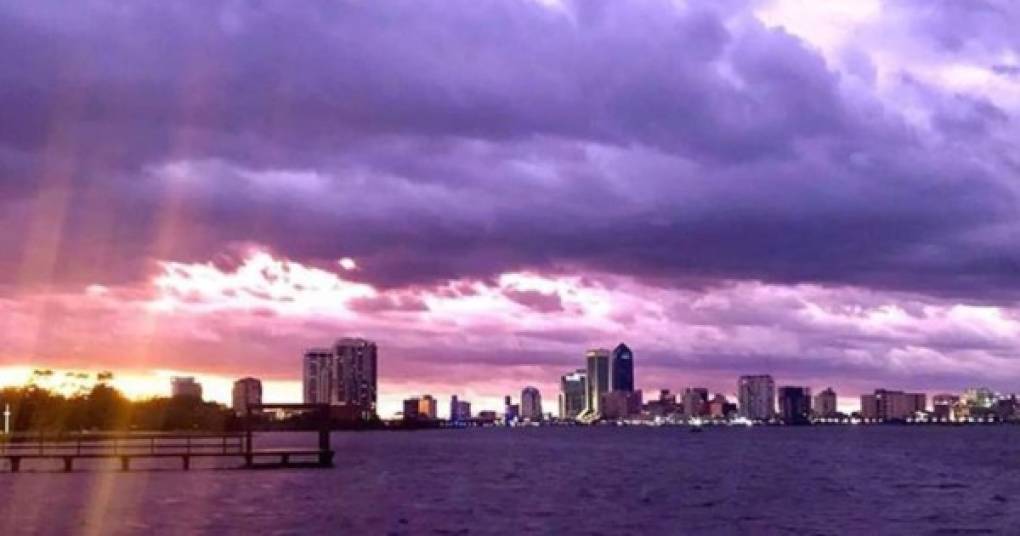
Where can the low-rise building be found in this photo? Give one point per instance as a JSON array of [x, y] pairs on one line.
[[185, 386], [621, 404], [886, 405]]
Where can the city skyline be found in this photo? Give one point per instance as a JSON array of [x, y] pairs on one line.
[[756, 397], [824, 193]]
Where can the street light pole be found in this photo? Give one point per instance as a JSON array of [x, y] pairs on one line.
[[7, 419]]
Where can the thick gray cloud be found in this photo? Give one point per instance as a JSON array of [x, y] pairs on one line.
[[442, 140]]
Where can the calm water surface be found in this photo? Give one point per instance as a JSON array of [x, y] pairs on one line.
[[846, 480]]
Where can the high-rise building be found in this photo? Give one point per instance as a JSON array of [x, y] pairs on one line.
[[573, 400], [345, 374], [427, 407], [356, 374], [460, 410], [246, 392], [531, 404], [756, 396], [825, 404], [185, 386], [318, 376], [886, 405], [795, 405], [597, 381], [622, 369], [695, 401]]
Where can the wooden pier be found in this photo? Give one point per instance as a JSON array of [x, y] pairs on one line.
[[128, 447]]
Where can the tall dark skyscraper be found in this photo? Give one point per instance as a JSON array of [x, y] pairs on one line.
[[622, 369], [795, 405]]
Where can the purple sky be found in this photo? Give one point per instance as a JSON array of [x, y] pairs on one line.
[[828, 193]]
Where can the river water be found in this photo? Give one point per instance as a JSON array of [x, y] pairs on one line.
[[598, 480]]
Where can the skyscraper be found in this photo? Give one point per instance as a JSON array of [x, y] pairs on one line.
[[795, 405], [756, 396], [531, 404], [622, 376], [355, 374], [247, 391], [345, 374], [318, 376], [573, 399], [825, 404], [597, 382]]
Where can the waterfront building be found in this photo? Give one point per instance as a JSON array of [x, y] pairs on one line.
[[512, 413], [411, 406], [460, 410], [979, 397], [531, 404], [246, 392], [317, 376], [464, 410], [825, 404], [356, 374], [345, 374], [756, 396], [719, 407], [663, 406], [695, 402], [621, 404], [596, 382], [572, 394], [427, 407], [886, 405], [185, 387], [487, 416], [622, 369], [944, 407], [1005, 408], [795, 405]]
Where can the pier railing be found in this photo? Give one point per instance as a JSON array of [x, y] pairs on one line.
[[121, 443], [129, 446]]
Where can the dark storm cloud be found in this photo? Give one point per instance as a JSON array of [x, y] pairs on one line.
[[442, 140]]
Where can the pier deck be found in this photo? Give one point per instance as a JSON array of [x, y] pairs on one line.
[[185, 446]]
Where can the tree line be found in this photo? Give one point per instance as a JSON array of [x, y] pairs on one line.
[[101, 407]]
